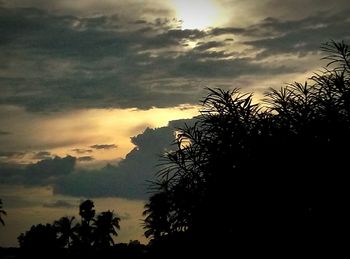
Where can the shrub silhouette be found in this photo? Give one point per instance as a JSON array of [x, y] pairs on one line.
[[259, 178]]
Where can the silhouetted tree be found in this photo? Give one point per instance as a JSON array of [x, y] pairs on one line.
[[86, 211], [266, 177], [2, 212], [66, 230], [39, 237], [105, 227], [85, 229], [91, 238]]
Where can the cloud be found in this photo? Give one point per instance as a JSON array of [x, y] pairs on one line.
[[302, 36], [85, 158], [129, 178], [49, 170], [61, 62], [201, 46], [82, 151], [42, 155], [2, 132], [41, 173], [104, 146], [59, 204], [109, 62], [11, 154]]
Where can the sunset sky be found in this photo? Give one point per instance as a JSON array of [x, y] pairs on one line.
[[92, 90]]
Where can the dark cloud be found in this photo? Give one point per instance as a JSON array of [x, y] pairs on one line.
[[227, 30], [59, 204], [82, 151], [3, 132], [303, 36], [80, 63], [49, 170], [42, 173], [67, 62], [85, 158], [11, 173], [12, 154], [202, 46], [104, 146], [42, 155]]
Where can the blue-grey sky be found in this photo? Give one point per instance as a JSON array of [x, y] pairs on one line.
[[91, 91]]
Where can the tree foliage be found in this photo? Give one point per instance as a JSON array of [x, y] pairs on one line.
[[260, 176]]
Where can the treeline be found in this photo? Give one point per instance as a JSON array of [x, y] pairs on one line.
[[91, 237]]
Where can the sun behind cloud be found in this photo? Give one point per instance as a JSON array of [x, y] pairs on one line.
[[198, 14]]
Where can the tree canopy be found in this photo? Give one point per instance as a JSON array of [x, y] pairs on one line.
[[267, 176]]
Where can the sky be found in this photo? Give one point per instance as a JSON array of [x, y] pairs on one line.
[[92, 91]]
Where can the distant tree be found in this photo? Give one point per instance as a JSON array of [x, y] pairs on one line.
[[85, 229], [90, 238], [2, 212], [86, 211], [105, 227], [262, 177], [66, 230], [39, 237]]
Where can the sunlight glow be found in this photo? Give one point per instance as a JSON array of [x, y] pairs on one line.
[[197, 14]]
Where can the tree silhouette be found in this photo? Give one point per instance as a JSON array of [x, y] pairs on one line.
[[92, 237], [67, 232], [85, 229], [105, 227], [39, 237], [2, 212], [86, 211], [262, 177]]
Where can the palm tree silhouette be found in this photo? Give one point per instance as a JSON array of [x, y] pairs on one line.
[[86, 211], [2, 212], [85, 229], [105, 226], [66, 231]]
